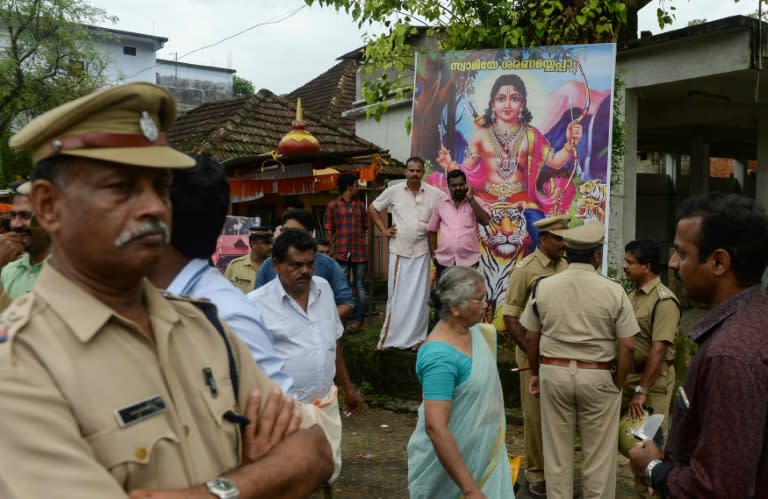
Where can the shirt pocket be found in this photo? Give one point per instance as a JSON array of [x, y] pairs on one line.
[[423, 213], [130, 453], [469, 222]]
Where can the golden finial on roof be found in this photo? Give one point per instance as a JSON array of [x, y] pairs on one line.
[[298, 140]]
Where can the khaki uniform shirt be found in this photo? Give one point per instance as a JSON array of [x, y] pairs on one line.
[[242, 273], [581, 314], [524, 275], [68, 363], [665, 319]]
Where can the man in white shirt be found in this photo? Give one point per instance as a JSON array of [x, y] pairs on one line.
[[200, 198], [410, 204], [299, 311]]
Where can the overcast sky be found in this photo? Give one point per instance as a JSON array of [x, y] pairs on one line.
[[301, 43]]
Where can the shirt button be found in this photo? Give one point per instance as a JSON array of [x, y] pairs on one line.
[[141, 453]]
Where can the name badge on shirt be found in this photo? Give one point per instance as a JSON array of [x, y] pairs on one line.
[[140, 411]]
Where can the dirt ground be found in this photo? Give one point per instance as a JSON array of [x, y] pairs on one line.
[[375, 464]]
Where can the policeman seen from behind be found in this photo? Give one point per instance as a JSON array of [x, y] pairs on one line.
[[108, 388], [547, 259], [574, 320]]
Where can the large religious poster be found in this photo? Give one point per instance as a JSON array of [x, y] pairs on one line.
[[531, 130]]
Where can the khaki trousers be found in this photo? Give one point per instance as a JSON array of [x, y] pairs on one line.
[[534, 455], [659, 398], [586, 399]]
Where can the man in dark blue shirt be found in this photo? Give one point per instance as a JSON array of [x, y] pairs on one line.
[[325, 266]]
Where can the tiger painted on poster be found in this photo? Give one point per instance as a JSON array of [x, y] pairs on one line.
[[505, 240]]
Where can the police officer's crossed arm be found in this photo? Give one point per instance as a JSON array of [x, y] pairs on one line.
[[273, 451]]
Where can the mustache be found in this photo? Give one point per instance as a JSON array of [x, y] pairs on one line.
[[22, 231], [150, 227]]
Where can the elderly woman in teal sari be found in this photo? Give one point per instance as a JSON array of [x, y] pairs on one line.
[[458, 448]]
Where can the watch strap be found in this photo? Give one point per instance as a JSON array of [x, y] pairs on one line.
[[649, 471]]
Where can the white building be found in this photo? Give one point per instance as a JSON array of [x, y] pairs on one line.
[[133, 57]]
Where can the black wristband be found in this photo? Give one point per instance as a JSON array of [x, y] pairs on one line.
[[659, 478]]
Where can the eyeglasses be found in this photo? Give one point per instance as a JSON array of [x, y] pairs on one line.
[[25, 215], [482, 301]]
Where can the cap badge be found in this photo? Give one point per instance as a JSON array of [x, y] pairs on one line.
[[148, 127]]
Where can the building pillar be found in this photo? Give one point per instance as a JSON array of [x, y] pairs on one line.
[[761, 182], [739, 170], [699, 167], [672, 168], [622, 218]]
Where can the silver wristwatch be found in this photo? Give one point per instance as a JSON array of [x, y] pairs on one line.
[[223, 488], [649, 471]]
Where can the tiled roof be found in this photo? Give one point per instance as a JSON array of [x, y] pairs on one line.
[[330, 94], [252, 126]]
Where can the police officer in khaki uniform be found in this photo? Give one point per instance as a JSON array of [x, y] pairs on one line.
[[574, 320], [107, 386], [652, 380], [242, 271], [547, 259]]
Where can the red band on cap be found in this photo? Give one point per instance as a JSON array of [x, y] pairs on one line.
[[93, 140]]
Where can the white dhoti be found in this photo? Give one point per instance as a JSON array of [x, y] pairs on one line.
[[407, 317], [330, 418]]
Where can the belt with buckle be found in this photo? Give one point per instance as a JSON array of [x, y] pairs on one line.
[[580, 364]]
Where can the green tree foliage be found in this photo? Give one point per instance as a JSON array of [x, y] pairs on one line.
[[242, 87], [47, 57], [474, 24], [477, 24]]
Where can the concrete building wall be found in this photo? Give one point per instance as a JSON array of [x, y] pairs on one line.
[[129, 59], [388, 133], [193, 85]]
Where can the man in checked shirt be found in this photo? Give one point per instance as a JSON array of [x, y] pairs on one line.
[[346, 221]]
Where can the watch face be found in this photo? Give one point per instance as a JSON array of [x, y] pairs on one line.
[[223, 488], [223, 484]]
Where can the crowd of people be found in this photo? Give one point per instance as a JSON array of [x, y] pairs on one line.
[[130, 365]]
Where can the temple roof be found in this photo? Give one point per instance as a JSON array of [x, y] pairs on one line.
[[330, 94], [242, 130]]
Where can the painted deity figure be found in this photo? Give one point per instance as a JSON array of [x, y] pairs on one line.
[[505, 155]]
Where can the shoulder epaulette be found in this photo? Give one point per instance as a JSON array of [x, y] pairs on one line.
[[12, 320], [523, 262], [197, 301], [533, 294], [665, 294], [612, 279]]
